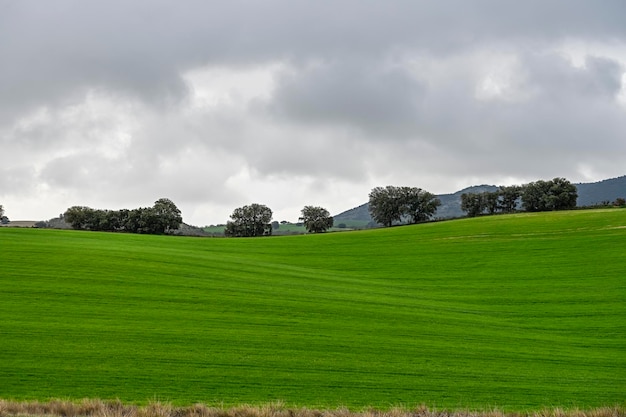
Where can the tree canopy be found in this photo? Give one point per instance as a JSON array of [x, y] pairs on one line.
[[504, 200], [163, 217], [556, 194], [385, 205], [167, 215], [472, 204], [316, 219], [419, 205], [249, 221], [391, 204]]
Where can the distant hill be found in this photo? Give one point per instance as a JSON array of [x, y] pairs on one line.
[[451, 203], [607, 190], [588, 194]]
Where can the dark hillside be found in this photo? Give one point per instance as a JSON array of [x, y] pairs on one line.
[[358, 213], [451, 203], [597, 192]]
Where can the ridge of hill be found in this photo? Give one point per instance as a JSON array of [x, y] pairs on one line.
[[588, 194]]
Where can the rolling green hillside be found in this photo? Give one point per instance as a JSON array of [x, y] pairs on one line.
[[517, 312]]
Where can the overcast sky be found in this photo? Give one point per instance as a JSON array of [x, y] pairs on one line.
[[218, 104]]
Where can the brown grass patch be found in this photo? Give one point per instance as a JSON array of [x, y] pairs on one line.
[[100, 408]]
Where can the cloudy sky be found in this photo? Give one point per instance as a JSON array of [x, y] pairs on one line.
[[217, 104]]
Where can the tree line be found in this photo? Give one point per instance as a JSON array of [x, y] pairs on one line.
[[395, 205], [256, 220], [162, 218], [387, 205], [390, 204], [555, 194]]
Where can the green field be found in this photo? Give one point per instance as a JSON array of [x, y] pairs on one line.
[[517, 312]]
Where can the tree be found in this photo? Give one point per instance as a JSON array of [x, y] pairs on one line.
[[167, 216], [97, 220], [385, 205], [249, 221], [490, 201], [316, 219], [132, 222], [77, 216], [534, 196], [472, 204], [419, 205], [116, 219], [476, 204], [557, 194], [393, 204], [508, 198], [562, 194]]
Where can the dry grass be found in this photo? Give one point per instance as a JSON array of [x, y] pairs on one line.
[[99, 408]]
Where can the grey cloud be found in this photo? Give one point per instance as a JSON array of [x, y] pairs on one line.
[[555, 78], [573, 109], [567, 115], [104, 181], [391, 103], [17, 180], [142, 46], [322, 156], [361, 95], [563, 107]]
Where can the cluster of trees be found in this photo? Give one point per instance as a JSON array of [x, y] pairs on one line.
[[394, 204], [505, 200], [556, 194], [163, 217], [249, 221], [256, 220], [316, 219]]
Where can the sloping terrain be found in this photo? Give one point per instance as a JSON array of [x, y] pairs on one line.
[[516, 312]]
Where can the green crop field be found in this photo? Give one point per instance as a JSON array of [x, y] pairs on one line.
[[517, 312]]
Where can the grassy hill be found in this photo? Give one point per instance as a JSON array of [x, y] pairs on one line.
[[517, 312]]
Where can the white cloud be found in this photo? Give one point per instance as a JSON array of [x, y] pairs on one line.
[[502, 79], [214, 87]]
